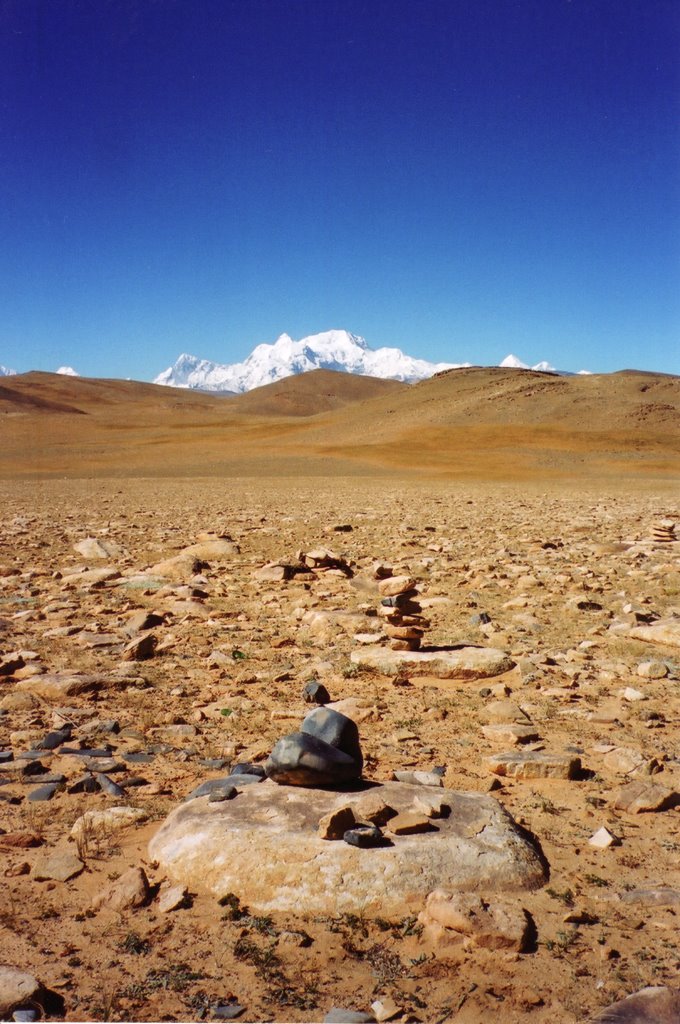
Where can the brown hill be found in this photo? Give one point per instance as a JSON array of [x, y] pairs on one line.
[[307, 394], [472, 423]]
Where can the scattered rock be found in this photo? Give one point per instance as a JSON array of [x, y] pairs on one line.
[[128, 892], [110, 819], [494, 924], [639, 796], [457, 663], [334, 824], [58, 866], [18, 989], [534, 765], [171, 898], [603, 839]]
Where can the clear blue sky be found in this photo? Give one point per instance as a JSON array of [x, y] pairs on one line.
[[459, 178]]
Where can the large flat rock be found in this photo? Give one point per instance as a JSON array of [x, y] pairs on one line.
[[445, 663], [665, 631], [263, 846]]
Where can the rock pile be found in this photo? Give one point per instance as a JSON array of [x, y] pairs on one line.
[[663, 531], [405, 624], [325, 561]]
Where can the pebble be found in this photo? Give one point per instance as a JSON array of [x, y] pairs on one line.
[[315, 693], [603, 839]]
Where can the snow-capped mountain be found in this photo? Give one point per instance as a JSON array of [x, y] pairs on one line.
[[67, 371], [517, 364], [6, 372], [331, 350]]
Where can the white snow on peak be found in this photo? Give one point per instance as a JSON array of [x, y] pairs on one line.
[[6, 372], [68, 371], [330, 350], [513, 362]]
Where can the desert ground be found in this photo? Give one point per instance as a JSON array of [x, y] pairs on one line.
[[175, 569]]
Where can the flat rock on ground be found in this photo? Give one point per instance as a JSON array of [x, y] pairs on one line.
[[453, 663], [210, 846]]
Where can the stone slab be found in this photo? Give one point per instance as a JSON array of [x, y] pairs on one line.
[[445, 663], [210, 847]]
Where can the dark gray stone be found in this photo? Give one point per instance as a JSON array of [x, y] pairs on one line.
[[221, 785], [108, 786], [364, 836], [86, 784], [87, 751], [227, 1011], [247, 768], [139, 757], [315, 693], [222, 793], [6, 756], [43, 792], [336, 729], [44, 779], [301, 759], [215, 763], [55, 738]]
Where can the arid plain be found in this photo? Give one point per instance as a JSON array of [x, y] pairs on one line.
[[537, 515]]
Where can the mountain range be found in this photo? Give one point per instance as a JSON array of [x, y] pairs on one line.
[[337, 350], [330, 350]]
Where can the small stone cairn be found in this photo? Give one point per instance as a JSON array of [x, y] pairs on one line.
[[663, 531], [404, 624]]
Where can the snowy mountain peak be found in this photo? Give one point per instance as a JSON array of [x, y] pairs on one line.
[[330, 350], [68, 371], [6, 372], [514, 363]]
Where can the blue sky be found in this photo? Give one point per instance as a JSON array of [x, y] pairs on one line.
[[459, 178]]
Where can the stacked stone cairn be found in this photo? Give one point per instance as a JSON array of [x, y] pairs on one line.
[[404, 624], [663, 531]]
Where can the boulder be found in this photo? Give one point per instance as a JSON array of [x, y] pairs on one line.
[[18, 989], [209, 847], [653, 1005], [325, 752], [449, 663]]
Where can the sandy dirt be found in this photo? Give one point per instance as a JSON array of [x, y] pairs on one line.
[[563, 572]]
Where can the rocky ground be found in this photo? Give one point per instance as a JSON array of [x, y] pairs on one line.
[[136, 625]]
